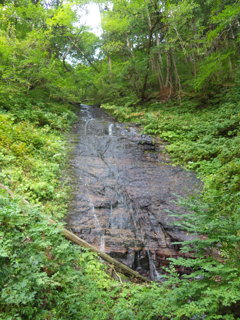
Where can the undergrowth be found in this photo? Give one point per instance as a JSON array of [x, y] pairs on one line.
[[33, 153], [204, 138], [43, 276]]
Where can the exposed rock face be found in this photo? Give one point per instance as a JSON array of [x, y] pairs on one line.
[[124, 189]]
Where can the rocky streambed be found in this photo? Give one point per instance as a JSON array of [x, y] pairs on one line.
[[125, 189]]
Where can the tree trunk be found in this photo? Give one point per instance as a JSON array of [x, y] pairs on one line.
[[159, 63], [167, 81], [176, 75], [148, 51]]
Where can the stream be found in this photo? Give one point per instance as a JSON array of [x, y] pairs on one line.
[[124, 190]]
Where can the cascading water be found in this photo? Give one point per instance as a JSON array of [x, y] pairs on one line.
[[110, 129], [124, 189]]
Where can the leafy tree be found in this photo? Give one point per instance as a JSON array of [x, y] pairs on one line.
[[168, 46]]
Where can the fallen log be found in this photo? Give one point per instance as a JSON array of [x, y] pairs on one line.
[[118, 265], [74, 238]]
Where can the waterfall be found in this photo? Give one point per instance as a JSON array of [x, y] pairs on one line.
[[110, 129], [86, 125], [123, 189], [110, 223], [102, 243], [154, 274], [97, 223]]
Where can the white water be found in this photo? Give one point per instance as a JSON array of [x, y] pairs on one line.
[[97, 223], [111, 217], [102, 243], [86, 125], [110, 129], [98, 226], [155, 274]]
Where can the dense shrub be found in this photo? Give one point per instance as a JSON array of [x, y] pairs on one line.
[[42, 275]]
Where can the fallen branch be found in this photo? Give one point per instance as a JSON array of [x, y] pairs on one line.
[[125, 269], [11, 194], [7, 189], [74, 238]]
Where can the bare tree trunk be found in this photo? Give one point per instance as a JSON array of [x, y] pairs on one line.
[[159, 63], [149, 45], [129, 46], [167, 81], [176, 75], [157, 69], [160, 75], [166, 90]]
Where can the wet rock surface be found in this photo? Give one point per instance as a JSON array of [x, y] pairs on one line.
[[124, 190]]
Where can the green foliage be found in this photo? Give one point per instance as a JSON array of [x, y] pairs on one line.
[[148, 50], [164, 49], [42, 275], [37, 44], [214, 67], [206, 139], [33, 153]]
